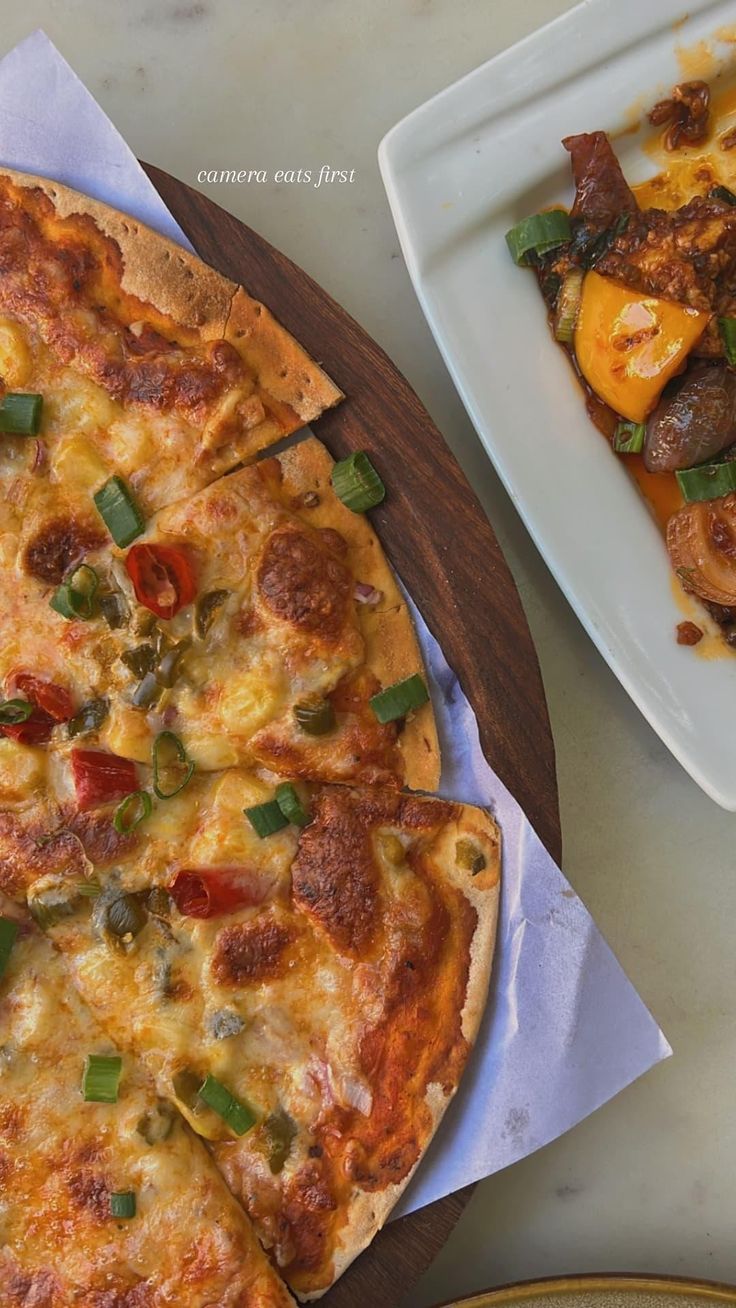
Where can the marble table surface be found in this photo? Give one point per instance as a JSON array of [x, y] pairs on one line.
[[648, 1183]]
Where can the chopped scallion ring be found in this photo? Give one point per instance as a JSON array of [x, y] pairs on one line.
[[628, 437], [727, 328], [75, 598], [568, 305], [290, 804], [356, 482], [8, 932], [169, 752], [122, 1203], [89, 889], [708, 481], [266, 818], [398, 700], [13, 711], [20, 414], [119, 511], [141, 803], [101, 1078], [538, 234], [239, 1116]]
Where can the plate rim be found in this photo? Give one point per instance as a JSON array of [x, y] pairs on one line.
[[518, 1291]]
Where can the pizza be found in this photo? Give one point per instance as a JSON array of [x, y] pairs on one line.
[[107, 1196], [214, 722]]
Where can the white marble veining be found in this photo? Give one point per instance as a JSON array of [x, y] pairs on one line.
[[647, 1183]]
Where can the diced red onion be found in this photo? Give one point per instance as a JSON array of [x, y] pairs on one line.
[[366, 594]]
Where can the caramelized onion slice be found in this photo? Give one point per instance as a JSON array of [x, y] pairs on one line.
[[701, 539]]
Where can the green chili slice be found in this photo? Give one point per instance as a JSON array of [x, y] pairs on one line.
[[101, 1078], [398, 700], [133, 810], [205, 610], [8, 933], [168, 752], [122, 1203], [628, 437], [290, 804], [119, 512], [708, 481], [266, 818], [75, 598], [20, 414], [538, 234], [356, 482], [13, 711], [238, 1115]]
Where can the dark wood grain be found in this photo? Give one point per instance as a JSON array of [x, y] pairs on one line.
[[442, 545]]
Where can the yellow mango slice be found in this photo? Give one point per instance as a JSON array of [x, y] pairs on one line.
[[629, 344]]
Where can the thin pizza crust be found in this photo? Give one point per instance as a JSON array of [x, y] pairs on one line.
[[178, 284], [391, 647], [367, 1212]]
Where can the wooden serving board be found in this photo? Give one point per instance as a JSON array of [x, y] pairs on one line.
[[440, 542]]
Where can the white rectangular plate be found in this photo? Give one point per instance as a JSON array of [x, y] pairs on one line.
[[459, 172]]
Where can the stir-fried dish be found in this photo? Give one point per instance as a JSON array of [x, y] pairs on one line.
[[643, 298]]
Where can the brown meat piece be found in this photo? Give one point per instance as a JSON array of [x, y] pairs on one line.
[[602, 193]]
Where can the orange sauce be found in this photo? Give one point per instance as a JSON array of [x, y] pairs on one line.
[[660, 489]]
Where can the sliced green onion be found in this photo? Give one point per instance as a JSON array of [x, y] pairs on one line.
[[139, 660], [239, 1116], [20, 414], [290, 804], [356, 482], [119, 511], [266, 818], [469, 856], [722, 193], [8, 932], [141, 804], [398, 700], [727, 328], [122, 1203], [13, 711], [205, 610], [281, 1130], [538, 234], [89, 717], [75, 598], [708, 481], [316, 719], [568, 305], [628, 437], [101, 1078], [166, 743]]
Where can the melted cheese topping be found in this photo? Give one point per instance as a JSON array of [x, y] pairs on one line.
[[340, 976], [60, 1158]]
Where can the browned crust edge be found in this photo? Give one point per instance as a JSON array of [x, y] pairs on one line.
[[176, 283], [367, 1212], [391, 647]]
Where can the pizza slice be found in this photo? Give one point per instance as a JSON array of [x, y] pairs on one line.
[[258, 621], [303, 970], [107, 1197], [121, 354]]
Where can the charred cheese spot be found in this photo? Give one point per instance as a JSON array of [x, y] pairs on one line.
[[33, 847], [248, 952], [303, 583], [334, 875], [58, 546], [101, 842]]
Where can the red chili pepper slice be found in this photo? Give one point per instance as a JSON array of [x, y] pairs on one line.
[[99, 777], [51, 703], [163, 578], [46, 695], [36, 730], [209, 892]]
